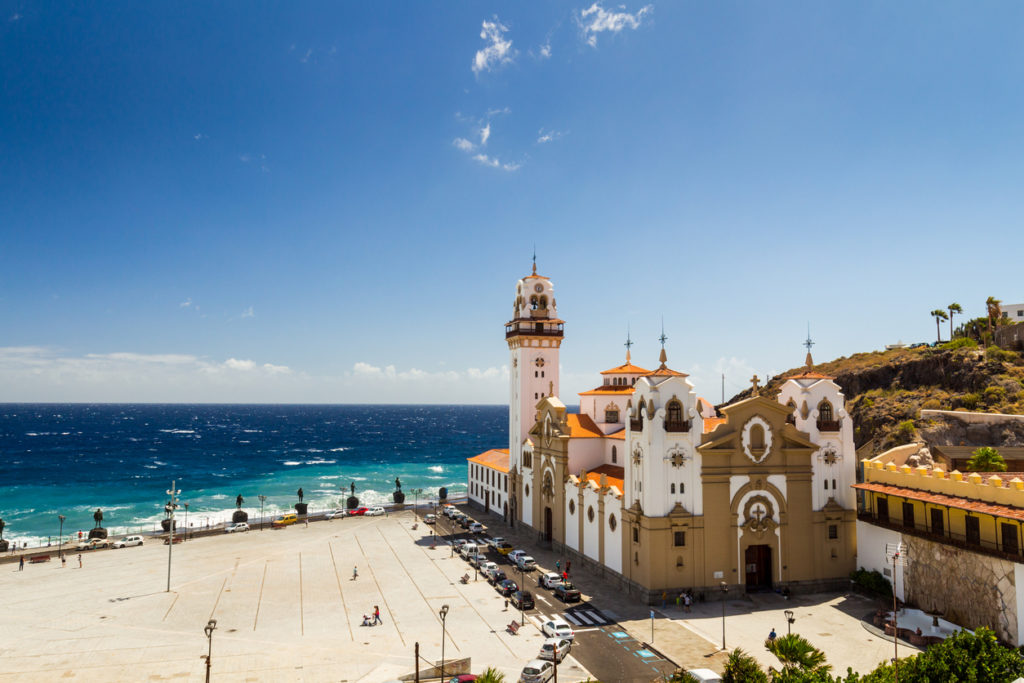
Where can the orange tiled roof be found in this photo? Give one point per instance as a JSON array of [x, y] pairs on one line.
[[711, 422], [942, 499], [616, 475], [810, 374], [496, 459], [626, 369], [664, 371], [581, 426], [608, 389], [620, 435]]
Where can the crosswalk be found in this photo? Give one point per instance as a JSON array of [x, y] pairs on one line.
[[580, 617]]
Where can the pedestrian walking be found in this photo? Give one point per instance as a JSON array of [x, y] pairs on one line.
[[376, 615], [63, 561], [687, 601], [355, 573], [771, 636], [664, 598], [79, 560], [506, 604], [568, 566], [21, 564], [558, 565]]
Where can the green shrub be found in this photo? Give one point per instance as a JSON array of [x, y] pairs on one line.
[[994, 353], [872, 581], [961, 343], [986, 459], [932, 404], [905, 429], [970, 401], [994, 395]]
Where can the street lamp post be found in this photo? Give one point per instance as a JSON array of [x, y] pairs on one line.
[[522, 619], [60, 542], [725, 591], [262, 500], [789, 621], [210, 627], [171, 504], [444, 615], [186, 521]]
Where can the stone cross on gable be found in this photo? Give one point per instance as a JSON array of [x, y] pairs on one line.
[[754, 380]]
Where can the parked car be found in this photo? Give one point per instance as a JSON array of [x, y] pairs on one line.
[[468, 549], [177, 540], [377, 511], [496, 577], [285, 520], [127, 541], [487, 567], [357, 512], [704, 676], [526, 563], [514, 555], [557, 627], [537, 671], [476, 528], [555, 649], [236, 526], [549, 580], [522, 600], [458, 543], [503, 548], [430, 519], [93, 544], [477, 559], [334, 514], [507, 587], [466, 522], [449, 511], [493, 542], [566, 593]]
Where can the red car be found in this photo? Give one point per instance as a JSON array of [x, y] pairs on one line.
[[354, 512]]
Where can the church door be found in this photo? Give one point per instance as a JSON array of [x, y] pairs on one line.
[[547, 525], [758, 561]]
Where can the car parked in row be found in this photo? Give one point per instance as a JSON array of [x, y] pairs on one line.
[[503, 548], [537, 671], [477, 559], [496, 577], [555, 649], [236, 526], [526, 563], [549, 580], [486, 568], [506, 587], [514, 555], [358, 512], [566, 593], [127, 541], [285, 520], [335, 514], [556, 627], [92, 544], [476, 528], [494, 541], [430, 519], [522, 600]]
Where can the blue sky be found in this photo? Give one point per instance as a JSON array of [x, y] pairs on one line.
[[331, 202]]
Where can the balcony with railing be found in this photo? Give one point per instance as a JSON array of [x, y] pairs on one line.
[[829, 425], [677, 426], [534, 329], [974, 544]]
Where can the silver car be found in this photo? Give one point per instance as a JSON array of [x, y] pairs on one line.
[[537, 671]]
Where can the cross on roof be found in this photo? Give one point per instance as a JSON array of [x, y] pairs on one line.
[[535, 259], [754, 380], [628, 344], [758, 512], [663, 338], [807, 342]]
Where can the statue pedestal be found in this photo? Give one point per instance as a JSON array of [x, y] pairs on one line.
[[98, 532], [352, 503], [240, 516], [165, 524], [398, 497], [301, 508]]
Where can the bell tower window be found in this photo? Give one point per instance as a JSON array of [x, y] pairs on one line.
[[674, 421]]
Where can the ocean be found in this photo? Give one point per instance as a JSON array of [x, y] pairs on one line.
[[69, 459]]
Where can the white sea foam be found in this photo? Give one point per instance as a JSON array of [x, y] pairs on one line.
[[178, 431], [320, 461], [291, 463], [339, 449], [436, 468], [253, 431]]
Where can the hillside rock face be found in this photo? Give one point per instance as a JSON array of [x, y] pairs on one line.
[[885, 392]]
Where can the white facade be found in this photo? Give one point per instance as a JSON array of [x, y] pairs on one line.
[[818, 409], [871, 544], [488, 487], [1013, 312]]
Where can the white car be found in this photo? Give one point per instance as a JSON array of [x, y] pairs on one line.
[[704, 675], [493, 542], [127, 541], [375, 512], [551, 646], [340, 512], [476, 528], [557, 628], [429, 519], [487, 567], [513, 556], [236, 526], [526, 563], [537, 671], [549, 580]]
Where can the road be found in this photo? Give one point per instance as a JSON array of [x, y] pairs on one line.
[[601, 646]]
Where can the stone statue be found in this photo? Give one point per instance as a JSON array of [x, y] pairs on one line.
[[398, 484], [98, 516], [353, 486], [239, 501], [300, 494], [2, 525]]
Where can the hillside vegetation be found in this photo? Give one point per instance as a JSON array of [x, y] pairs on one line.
[[886, 390]]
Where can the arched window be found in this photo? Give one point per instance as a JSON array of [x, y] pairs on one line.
[[756, 438], [533, 303], [543, 302], [825, 411], [674, 411], [827, 421], [615, 455], [672, 489]]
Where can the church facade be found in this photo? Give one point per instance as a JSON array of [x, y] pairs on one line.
[[652, 486]]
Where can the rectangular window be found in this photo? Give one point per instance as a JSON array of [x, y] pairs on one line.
[[680, 539], [833, 531], [882, 509], [833, 484], [1009, 533], [938, 527], [826, 484], [682, 488], [973, 526], [636, 535], [908, 515]]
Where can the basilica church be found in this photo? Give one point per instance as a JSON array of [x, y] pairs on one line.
[[650, 486]]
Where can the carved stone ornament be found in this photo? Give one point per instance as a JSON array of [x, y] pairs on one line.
[[759, 513], [678, 456], [638, 454], [829, 455], [757, 455], [547, 488]]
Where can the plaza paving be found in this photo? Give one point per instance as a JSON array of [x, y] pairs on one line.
[[286, 607]]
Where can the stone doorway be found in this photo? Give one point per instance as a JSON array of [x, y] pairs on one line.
[[758, 563], [547, 525]]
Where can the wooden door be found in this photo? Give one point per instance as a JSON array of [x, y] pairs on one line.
[[758, 563]]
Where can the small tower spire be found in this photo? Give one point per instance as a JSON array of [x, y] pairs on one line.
[[663, 357], [628, 344], [808, 343], [535, 259]]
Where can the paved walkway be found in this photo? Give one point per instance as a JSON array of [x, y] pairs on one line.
[[286, 606]]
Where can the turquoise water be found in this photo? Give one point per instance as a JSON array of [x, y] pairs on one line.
[[69, 459]]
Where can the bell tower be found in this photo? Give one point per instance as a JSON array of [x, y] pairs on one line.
[[534, 336]]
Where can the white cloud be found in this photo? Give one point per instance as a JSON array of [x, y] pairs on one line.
[[545, 51], [235, 364], [495, 112], [199, 136], [548, 136], [305, 57], [597, 19], [248, 313], [15, 17], [498, 51], [494, 162], [464, 144], [390, 373], [485, 133], [186, 303]]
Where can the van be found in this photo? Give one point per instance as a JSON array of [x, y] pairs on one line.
[[468, 550], [285, 520], [704, 675]]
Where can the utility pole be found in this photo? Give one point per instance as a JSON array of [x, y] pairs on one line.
[[262, 500], [897, 552], [417, 669], [723, 387], [171, 504]]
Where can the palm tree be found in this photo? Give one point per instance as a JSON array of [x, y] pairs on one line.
[[742, 668], [796, 652], [491, 675], [938, 314], [986, 459], [992, 307], [954, 309]]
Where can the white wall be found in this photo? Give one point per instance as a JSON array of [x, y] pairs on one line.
[[585, 454], [572, 518], [591, 529], [527, 510], [613, 539], [1018, 578], [871, 543]]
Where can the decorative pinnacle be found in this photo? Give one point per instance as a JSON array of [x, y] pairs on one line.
[[628, 344], [535, 259], [663, 357], [808, 343]]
